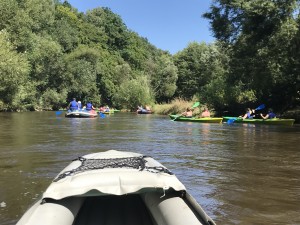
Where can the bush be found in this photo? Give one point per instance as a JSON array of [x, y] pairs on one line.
[[133, 93]]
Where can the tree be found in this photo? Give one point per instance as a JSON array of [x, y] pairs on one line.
[[163, 76], [65, 28], [259, 36], [42, 14], [81, 74], [134, 92], [88, 56], [112, 25], [8, 9], [45, 58], [14, 70], [197, 65]]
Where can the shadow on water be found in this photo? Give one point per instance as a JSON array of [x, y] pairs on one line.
[[240, 174]]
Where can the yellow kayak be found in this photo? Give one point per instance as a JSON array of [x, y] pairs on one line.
[[197, 120]]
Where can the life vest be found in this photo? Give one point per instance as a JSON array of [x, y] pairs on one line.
[[249, 115], [271, 115], [89, 106], [73, 105]]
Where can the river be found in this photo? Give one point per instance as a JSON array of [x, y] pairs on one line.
[[240, 174]]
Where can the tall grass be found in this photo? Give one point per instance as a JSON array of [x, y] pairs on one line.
[[177, 106]]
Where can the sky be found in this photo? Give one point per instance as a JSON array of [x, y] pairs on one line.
[[167, 24]]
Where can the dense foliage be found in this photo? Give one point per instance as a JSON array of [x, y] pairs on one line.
[[261, 39], [51, 53]]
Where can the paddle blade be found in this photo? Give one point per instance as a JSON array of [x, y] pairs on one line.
[[230, 121], [196, 104], [260, 107], [176, 117], [58, 113], [102, 115]]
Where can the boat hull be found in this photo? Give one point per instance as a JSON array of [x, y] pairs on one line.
[[196, 120], [144, 112], [81, 114], [147, 194], [109, 112], [275, 121]]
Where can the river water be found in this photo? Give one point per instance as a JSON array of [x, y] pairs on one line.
[[240, 174]]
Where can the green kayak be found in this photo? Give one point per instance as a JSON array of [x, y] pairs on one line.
[[275, 121], [195, 119]]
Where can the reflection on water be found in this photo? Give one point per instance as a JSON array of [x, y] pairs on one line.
[[240, 174]]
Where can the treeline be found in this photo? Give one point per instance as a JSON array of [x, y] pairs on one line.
[[50, 53], [261, 41]]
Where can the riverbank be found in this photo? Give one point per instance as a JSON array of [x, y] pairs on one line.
[[178, 106], [292, 114]]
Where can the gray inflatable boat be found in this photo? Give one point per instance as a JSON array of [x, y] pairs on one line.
[[116, 188]]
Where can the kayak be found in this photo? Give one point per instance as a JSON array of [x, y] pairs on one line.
[[275, 121], [108, 112], [195, 119], [81, 114], [144, 111], [114, 187]]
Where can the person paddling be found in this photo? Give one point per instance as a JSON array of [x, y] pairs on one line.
[[269, 115], [205, 113], [79, 105], [89, 106], [188, 113], [249, 114], [73, 105]]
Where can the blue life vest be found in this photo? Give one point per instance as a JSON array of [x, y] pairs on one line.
[[249, 115], [89, 106], [271, 115], [73, 105]]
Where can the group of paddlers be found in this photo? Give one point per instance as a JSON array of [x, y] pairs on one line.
[[189, 113], [74, 105], [143, 109], [77, 105], [250, 114]]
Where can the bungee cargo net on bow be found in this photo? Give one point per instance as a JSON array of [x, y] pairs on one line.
[[138, 163]]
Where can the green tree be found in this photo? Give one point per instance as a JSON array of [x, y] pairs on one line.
[[163, 76], [134, 92], [81, 74], [65, 28], [41, 13], [112, 25], [44, 57], [8, 9], [84, 55], [197, 65], [14, 70], [136, 51], [259, 36], [109, 75]]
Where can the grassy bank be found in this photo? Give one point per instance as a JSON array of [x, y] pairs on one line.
[[177, 106]]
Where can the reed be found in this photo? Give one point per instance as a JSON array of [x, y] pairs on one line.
[[177, 106]]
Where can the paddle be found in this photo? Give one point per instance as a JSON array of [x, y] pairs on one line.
[[196, 104], [102, 115], [262, 106], [58, 113], [231, 121]]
